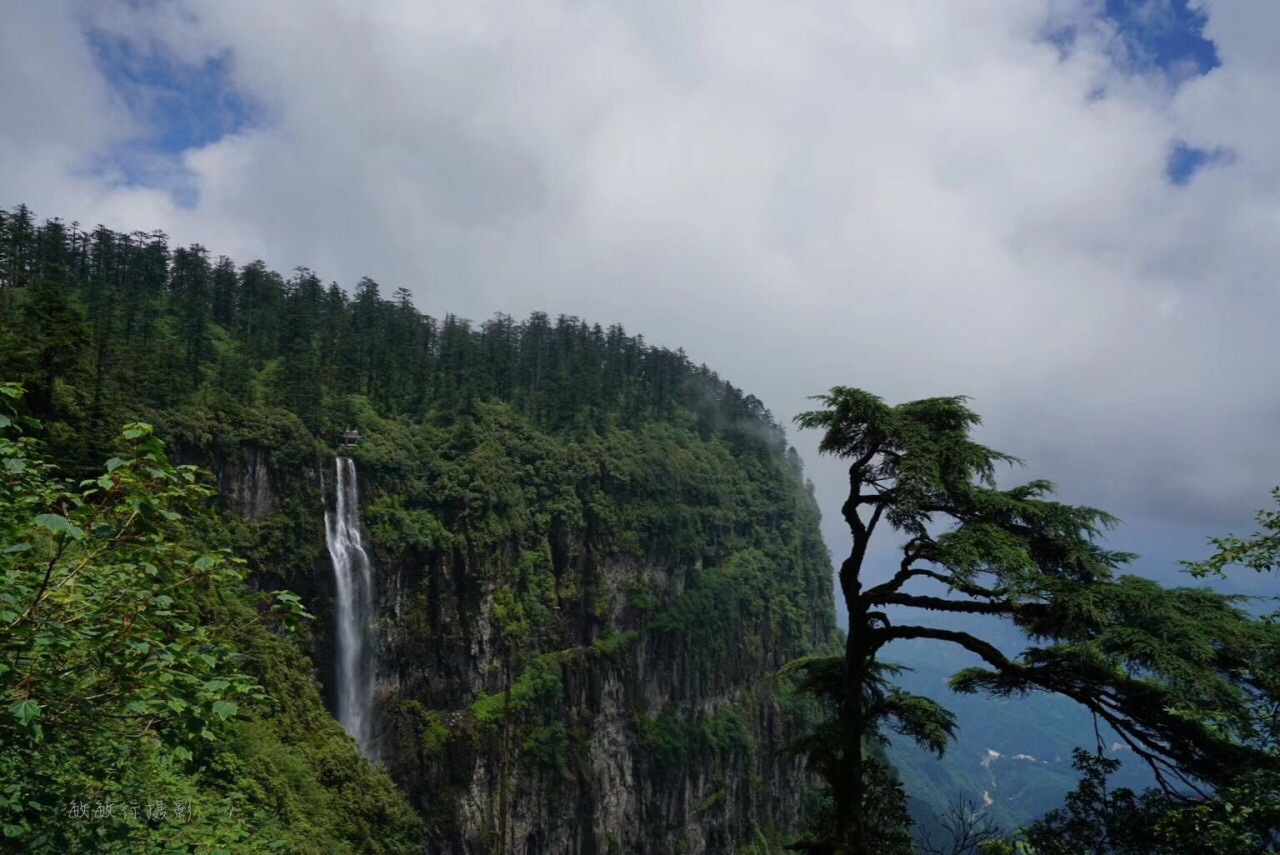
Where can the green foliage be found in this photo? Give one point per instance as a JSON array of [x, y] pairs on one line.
[[711, 802], [537, 686], [529, 460], [884, 810], [613, 644], [1180, 675], [532, 707], [1183, 643], [922, 447], [675, 737], [1243, 819], [404, 531], [822, 676], [432, 735], [1186, 666], [738, 610], [296, 762], [531, 515], [134, 672], [102, 324], [1259, 552], [888, 707], [1093, 818], [103, 639]]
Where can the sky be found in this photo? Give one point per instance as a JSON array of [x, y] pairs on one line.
[[1066, 209]]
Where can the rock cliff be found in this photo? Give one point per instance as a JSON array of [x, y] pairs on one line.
[[577, 640]]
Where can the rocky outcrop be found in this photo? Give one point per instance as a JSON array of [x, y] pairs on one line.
[[249, 485]]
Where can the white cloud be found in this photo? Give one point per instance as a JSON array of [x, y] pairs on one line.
[[918, 198]]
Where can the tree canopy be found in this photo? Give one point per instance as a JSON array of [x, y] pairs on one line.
[[134, 718], [1177, 673]]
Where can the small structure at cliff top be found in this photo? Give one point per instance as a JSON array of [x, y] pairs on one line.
[[350, 436]]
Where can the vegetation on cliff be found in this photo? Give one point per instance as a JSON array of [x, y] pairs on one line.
[[146, 705], [556, 508]]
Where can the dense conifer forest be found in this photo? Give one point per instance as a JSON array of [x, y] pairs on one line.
[[103, 326]]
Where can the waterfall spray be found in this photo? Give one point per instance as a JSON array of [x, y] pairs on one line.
[[353, 609]]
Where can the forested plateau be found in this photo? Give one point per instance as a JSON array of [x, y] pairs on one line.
[[590, 556]]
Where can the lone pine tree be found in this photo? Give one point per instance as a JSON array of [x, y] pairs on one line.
[[1175, 672]]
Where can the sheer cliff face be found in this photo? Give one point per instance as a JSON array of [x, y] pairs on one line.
[[249, 484], [578, 637], [626, 738]]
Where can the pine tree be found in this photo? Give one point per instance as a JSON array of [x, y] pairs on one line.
[[17, 253], [301, 387], [1173, 672], [190, 289], [52, 335]]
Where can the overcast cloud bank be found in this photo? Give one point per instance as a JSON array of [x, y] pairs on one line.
[[923, 198]]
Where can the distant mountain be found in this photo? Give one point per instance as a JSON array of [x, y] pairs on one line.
[[1011, 756]]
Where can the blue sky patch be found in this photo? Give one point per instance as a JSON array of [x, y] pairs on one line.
[[180, 105], [1145, 37], [1185, 160], [1167, 35]]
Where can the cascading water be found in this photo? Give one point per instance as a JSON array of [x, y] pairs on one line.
[[353, 609]]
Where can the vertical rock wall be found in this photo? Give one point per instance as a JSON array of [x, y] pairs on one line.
[[621, 732]]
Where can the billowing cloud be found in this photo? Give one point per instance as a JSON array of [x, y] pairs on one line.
[[918, 198]]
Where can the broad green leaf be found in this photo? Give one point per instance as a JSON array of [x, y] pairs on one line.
[[225, 709], [59, 524], [25, 710]]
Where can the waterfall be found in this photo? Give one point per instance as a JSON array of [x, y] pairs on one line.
[[354, 609]]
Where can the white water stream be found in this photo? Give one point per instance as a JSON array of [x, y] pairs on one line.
[[353, 610]]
